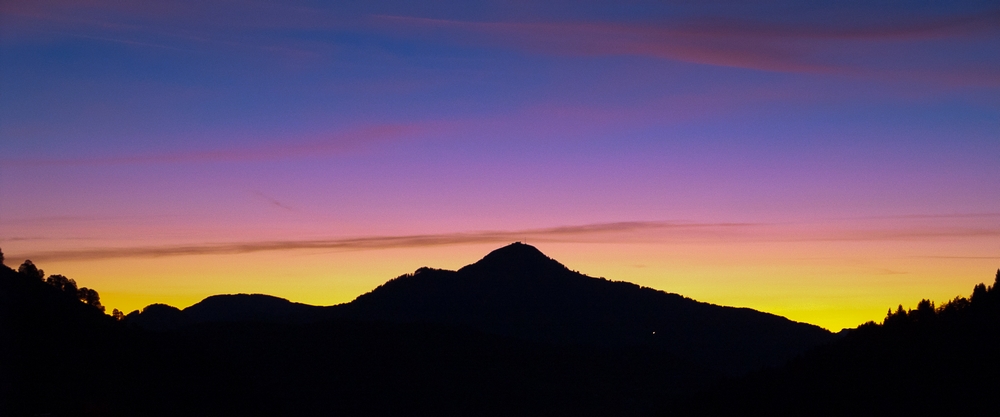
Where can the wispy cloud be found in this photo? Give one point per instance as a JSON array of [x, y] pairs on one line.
[[555, 234], [35, 238], [997, 257], [719, 42], [902, 29], [897, 234], [637, 232], [753, 42], [272, 201], [934, 216], [603, 38]]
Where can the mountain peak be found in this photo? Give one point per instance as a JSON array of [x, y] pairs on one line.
[[516, 257], [516, 249]]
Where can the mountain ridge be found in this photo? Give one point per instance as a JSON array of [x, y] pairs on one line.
[[62, 356], [517, 291]]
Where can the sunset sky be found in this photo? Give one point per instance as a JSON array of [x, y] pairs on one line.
[[824, 161]]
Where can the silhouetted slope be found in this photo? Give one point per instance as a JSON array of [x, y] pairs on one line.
[[159, 317], [251, 307], [518, 291], [513, 334], [229, 308], [365, 369], [927, 361], [64, 358], [55, 351]]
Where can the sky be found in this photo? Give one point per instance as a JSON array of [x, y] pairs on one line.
[[824, 161]]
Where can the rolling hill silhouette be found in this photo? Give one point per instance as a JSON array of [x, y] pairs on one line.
[[230, 308], [517, 291]]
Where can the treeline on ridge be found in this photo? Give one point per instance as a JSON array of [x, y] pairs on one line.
[[924, 361], [62, 283]]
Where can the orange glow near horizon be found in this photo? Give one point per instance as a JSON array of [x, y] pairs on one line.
[[824, 163], [831, 283]]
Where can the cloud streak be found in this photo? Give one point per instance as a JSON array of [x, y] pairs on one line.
[[272, 201], [636, 232], [997, 257], [718, 42], [753, 42], [932, 216], [602, 38], [579, 233]]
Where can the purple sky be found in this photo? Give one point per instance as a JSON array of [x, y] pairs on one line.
[[189, 124]]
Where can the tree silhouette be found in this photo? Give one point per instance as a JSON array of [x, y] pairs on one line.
[[979, 292], [90, 297], [896, 318], [28, 268], [66, 285], [1, 257], [117, 315], [925, 311]]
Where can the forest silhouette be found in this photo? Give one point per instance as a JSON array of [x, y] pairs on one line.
[[925, 361], [515, 334]]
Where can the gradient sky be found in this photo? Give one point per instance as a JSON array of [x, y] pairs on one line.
[[820, 160]]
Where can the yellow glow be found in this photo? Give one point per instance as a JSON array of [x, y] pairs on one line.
[[831, 284]]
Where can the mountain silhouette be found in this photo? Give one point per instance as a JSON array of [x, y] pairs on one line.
[[517, 291], [61, 357], [516, 333], [516, 260]]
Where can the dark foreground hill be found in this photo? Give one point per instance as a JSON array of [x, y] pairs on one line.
[[52, 346], [516, 334], [518, 292], [64, 358], [927, 361]]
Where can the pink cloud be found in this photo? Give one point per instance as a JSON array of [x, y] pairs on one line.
[[739, 44], [913, 29], [778, 47], [580, 233], [632, 231], [595, 39]]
